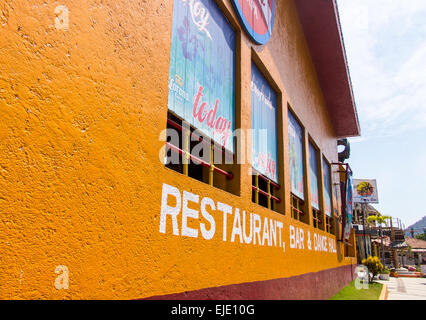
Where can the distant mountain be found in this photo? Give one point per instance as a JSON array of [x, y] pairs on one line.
[[418, 227]]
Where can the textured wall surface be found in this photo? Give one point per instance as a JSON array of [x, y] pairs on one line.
[[310, 286], [81, 112]]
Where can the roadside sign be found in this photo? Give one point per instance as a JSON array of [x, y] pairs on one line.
[[365, 191]]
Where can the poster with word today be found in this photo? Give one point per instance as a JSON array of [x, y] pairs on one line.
[[295, 137], [202, 69], [313, 171], [327, 187], [264, 125]]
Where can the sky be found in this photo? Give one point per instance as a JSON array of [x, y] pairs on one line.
[[385, 44]]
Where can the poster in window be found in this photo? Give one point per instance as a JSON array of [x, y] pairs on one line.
[[295, 137], [348, 210], [202, 69], [327, 188], [313, 171], [264, 125]]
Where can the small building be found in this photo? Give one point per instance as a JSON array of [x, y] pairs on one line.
[[417, 252]]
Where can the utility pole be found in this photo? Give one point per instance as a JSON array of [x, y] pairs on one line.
[[383, 250], [363, 228]]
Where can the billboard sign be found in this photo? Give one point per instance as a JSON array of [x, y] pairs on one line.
[[365, 191], [202, 69], [257, 18]]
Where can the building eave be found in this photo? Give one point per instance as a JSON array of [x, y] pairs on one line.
[[321, 25]]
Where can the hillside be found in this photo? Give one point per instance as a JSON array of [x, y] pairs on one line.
[[418, 226]]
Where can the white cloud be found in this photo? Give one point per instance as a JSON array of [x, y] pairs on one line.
[[387, 59]]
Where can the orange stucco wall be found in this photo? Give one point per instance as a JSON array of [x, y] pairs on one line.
[[80, 178]]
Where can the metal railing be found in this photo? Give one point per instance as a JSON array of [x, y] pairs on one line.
[[185, 153], [268, 193]]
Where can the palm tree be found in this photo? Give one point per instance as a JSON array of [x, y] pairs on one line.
[[380, 220]]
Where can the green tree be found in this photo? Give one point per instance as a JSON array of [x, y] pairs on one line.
[[374, 267], [420, 236], [380, 220]]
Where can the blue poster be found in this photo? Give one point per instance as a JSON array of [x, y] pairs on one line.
[[313, 171], [295, 137], [202, 69], [264, 125], [349, 206], [327, 187]]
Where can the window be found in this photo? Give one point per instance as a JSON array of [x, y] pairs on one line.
[[201, 102], [329, 226], [264, 141], [314, 186], [327, 196], [297, 169], [204, 166]]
